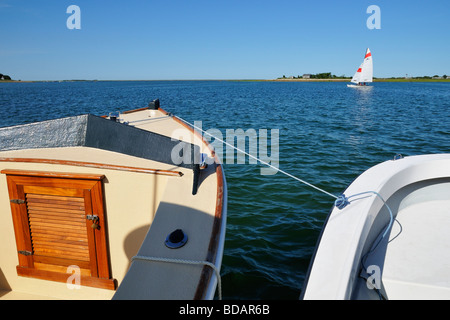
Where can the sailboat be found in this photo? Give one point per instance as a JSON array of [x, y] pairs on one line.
[[364, 74]]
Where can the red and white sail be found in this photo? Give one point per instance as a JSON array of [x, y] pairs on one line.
[[365, 70]]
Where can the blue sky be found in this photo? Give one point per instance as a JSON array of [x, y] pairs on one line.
[[217, 39]]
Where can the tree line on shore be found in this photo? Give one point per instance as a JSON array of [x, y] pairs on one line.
[[324, 75], [329, 75], [4, 77]]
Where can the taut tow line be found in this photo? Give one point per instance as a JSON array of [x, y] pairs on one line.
[[340, 201], [261, 161]]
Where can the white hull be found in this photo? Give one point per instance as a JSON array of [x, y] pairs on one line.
[[358, 86], [353, 255]]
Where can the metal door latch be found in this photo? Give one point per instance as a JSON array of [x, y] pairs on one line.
[[94, 219]]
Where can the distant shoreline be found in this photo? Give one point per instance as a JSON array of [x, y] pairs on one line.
[[241, 80], [374, 80]]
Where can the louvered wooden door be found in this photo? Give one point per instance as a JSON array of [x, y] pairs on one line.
[[58, 229], [53, 215]]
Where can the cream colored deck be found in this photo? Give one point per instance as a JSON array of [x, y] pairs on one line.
[[173, 213], [134, 203]]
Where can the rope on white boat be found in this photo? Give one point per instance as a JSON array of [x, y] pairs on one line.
[[257, 159], [343, 201], [183, 261]]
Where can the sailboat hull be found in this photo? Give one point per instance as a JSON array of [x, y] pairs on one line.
[[358, 86]]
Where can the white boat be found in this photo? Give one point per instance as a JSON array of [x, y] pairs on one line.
[[101, 207], [397, 249], [364, 74]]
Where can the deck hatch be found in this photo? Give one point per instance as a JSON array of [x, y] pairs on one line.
[[54, 227]]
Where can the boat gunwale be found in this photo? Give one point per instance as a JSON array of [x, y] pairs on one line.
[[219, 215]]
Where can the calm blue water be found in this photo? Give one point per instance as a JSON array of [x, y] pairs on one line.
[[329, 134]]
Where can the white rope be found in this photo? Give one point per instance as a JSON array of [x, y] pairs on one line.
[[182, 261], [261, 161], [147, 119]]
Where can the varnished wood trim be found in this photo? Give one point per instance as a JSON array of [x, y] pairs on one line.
[[218, 216], [129, 111], [196, 133], [94, 165], [109, 284], [47, 174], [134, 110], [20, 222]]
